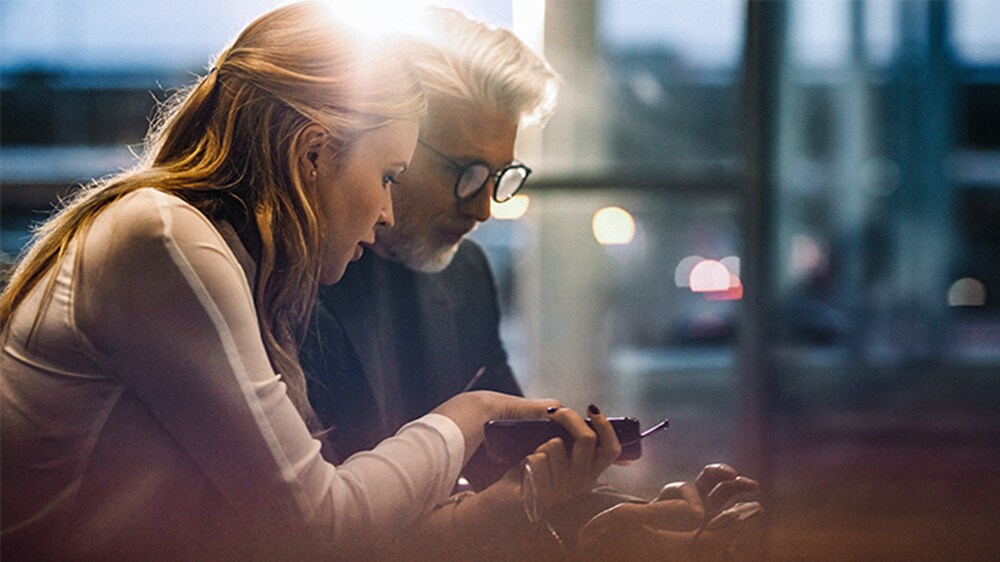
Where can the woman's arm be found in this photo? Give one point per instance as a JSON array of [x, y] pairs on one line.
[[167, 310], [505, 519]]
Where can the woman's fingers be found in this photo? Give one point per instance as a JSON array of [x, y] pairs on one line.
[[557, 464], [584, 442], [500, 406], [608, 448], [572, 468]]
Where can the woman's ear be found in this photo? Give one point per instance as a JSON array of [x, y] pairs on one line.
[[312, 139]]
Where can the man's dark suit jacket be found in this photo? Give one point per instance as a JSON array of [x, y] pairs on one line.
[[388, 344]]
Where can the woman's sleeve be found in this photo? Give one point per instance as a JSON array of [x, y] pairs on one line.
[[163, 303]]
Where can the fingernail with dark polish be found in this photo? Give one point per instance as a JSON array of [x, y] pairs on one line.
[[594, 410], [552, 410]]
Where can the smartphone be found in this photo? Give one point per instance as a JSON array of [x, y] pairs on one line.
[[509, 441]]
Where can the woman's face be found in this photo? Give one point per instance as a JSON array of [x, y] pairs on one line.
[[354, 192]]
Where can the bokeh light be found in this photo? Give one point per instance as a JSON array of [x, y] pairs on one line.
[[733, 293], [709, 275], [807, 256], [513, 209], [613, 226], [682, 273], [967, 291], [732, 263]]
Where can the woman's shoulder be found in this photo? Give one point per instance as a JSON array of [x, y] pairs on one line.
[[146, 218], [148, 209], [149, 213]]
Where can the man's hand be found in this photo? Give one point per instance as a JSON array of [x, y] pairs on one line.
[[686, 521], [717, 485]]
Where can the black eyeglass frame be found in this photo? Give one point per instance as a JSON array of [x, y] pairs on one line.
[[497, 175]]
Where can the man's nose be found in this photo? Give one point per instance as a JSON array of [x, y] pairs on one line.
[[479, 206]]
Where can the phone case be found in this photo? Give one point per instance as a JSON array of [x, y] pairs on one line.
[[509, 441]]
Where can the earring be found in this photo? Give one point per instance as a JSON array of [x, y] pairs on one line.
[[312, 174]]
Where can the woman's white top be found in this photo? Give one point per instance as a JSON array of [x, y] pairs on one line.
[[144, 420]]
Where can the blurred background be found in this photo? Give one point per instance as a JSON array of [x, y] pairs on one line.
[[775, 223]]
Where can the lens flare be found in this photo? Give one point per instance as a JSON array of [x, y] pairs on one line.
[[382, 17]]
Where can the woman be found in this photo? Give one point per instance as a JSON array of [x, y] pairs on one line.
[[153, 404]]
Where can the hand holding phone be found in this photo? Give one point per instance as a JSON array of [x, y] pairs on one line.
[[509, 441]]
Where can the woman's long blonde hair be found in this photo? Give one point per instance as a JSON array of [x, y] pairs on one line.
[[231, 141]]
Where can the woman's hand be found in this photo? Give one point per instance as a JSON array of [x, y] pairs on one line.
[[558, 471], [470, 410]]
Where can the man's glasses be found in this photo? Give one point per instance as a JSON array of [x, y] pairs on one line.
[[472, 178]]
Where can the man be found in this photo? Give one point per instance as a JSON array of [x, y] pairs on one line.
[[409, 327], [416, 321]]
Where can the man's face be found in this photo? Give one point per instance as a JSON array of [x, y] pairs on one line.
[[430, 222]]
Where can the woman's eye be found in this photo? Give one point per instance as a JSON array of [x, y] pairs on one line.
[[388, 180]]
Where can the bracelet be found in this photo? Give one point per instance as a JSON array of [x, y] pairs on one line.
[[533, 508]]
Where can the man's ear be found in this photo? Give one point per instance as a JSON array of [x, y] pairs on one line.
[[312, 139]]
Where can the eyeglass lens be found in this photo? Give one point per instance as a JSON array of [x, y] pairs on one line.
[[476, 176], [472, 181], [510, 182]]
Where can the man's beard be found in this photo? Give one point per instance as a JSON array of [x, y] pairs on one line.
[[416, 252]]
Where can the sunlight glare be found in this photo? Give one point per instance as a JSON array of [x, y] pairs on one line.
[[379, 17]]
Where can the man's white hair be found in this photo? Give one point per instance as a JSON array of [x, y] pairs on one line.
[[458, 57]]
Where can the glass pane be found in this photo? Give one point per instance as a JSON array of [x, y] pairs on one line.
[[974, 29], [661, 88], [602, 303]]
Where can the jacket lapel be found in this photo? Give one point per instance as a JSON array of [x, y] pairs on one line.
[[440, 333], [350, 303]]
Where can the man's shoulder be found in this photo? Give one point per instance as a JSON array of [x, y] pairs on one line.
[[470, 255]]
